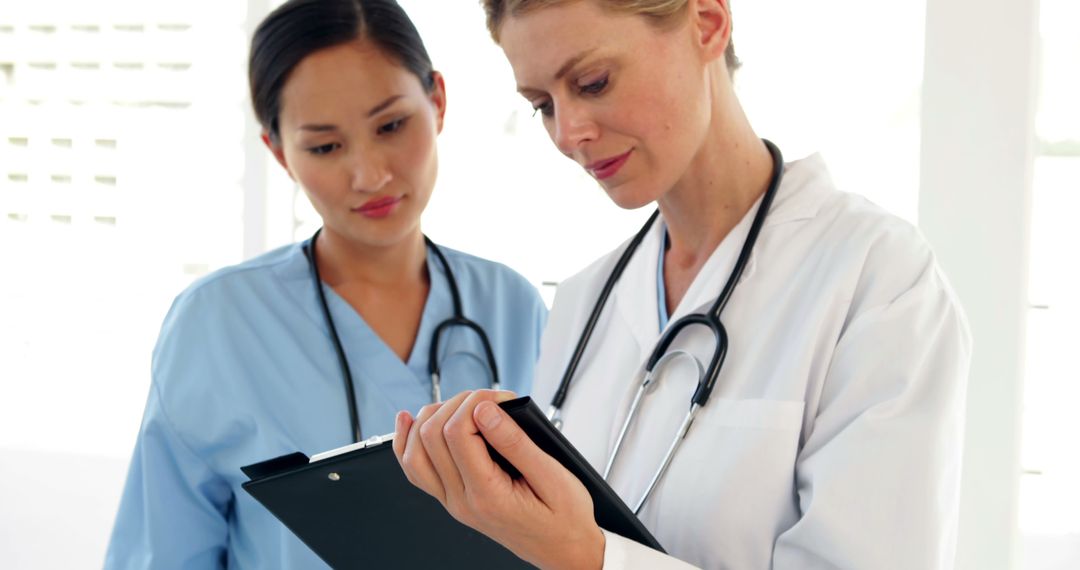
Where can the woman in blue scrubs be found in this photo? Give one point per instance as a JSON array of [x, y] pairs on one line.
[[247, 367]]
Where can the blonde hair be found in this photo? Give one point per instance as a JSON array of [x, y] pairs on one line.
[[662, 12]]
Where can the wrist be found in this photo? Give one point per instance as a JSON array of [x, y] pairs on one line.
[[584, 554], [599, 546]]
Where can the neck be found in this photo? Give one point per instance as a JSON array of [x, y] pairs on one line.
[[344, 262], [725, 178]]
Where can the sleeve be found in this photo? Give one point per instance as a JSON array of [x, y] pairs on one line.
[[174, 507], [518, 326], [624, 554], [537, 313], [540, 318], [877, 478]]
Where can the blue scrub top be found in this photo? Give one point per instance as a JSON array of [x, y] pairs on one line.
[[244, 370]]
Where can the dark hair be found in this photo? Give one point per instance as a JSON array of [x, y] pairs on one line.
[[298, 28]]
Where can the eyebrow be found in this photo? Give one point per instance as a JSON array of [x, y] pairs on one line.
[[382, 106], [321, 128], [566, 67], [317, 128]]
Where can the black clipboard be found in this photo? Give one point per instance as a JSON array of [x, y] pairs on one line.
[[355, 508]]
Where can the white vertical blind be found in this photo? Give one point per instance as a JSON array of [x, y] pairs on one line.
[[977, 144], [1051, 428]]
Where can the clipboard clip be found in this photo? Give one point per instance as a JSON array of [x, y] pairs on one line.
[[297, 459], [369, 442]]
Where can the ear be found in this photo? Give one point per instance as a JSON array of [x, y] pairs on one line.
[[438, 99], [277, 151], [712, 23]]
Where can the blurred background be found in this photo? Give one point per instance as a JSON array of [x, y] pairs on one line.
[[130, 165]]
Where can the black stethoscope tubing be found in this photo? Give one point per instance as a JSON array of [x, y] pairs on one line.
[[710, 320], [458, 319]]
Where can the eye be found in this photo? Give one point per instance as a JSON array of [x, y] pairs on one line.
[[594, 88], [392, 127], [324, 149], [546, 108]]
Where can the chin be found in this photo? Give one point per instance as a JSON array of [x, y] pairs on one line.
[[629, 196], [388, 238], [380, 234]]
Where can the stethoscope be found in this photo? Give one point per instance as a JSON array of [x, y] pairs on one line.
[[458, 319], [711, 320]]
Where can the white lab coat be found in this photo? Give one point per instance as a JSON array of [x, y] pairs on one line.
[[833, 436]]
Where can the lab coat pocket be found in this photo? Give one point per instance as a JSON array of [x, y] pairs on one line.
[[732, 482]]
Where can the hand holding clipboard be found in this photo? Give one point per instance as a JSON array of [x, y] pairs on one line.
[[357, 509], [546, 516]]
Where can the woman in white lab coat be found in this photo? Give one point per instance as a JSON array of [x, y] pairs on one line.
[[832, 438]]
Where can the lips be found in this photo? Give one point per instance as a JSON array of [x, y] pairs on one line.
[[378, 203], [379, 207], [607, 167]]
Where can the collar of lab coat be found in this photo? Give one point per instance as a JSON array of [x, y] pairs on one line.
[[803, 189]]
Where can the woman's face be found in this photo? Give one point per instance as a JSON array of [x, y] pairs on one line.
[[357, 132], [626, 100]]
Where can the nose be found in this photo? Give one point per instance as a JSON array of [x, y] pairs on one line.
[[573, 127], [369, 170]]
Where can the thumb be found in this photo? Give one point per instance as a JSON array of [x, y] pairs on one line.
[[543, 473]]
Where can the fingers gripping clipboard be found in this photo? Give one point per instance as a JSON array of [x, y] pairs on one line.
[[355, 509]]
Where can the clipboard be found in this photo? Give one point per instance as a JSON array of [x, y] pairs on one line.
[[354, 507]]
